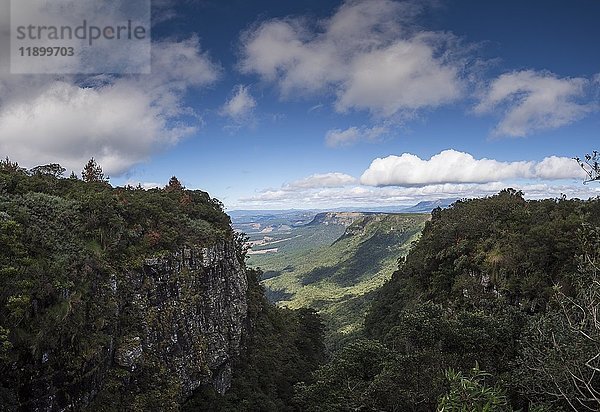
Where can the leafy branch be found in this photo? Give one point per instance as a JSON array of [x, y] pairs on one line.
[[590, 166]]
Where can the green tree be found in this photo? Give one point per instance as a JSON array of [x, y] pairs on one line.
[[9, 166], [92, 172], [344, 383], [174, 185], [560, 356], [52, 169], [68, 253]]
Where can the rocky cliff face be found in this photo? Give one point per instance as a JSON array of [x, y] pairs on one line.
[[114, 298], [193, 308], [176, 325], [337, 218]]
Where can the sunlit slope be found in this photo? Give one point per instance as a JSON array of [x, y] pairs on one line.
[[335, 270]]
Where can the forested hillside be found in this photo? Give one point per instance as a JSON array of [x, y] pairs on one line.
[[495, 308], [132, 299], [339, 278]]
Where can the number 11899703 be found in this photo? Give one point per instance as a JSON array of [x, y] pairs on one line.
[[46, 51]]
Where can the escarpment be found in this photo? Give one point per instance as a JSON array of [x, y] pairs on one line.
[[115, 298], [192, 309]]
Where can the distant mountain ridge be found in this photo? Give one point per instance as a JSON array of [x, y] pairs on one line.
[[422, 207], [429, 205]]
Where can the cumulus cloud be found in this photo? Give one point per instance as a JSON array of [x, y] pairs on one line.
[[300, 190], [323, 180], [365, 197], [403, 76], [352, 135], [451, 166], [407, 179], [554, 167], [534, 101], [120, 121], [240, 105], [367, 54]]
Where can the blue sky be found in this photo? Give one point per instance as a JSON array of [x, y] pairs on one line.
[[306, 103]]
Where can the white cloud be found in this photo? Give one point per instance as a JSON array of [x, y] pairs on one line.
[[368, 54], [360, 196], [352, 135], [403, 76], [554, 167], [407, 179], [534, 101], [451, 166], [181, 63], [120, 121], [316, 107], [323, 180], [239, 107]]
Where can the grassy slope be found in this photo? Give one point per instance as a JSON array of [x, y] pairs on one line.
[[336, 272]]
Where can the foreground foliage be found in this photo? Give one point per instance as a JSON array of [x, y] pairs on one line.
[[503, 283], [560, 356], [64, 242], [471, 394]]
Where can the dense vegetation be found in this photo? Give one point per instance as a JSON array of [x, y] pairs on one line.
[[495, 308], [65, 242], [283, 349], [502, 285]]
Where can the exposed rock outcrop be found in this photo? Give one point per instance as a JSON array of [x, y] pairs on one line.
[[337, 218], [194, 308], [176, 324]]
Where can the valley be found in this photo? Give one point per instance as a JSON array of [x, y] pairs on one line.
[[333, 263], [131, 299]]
